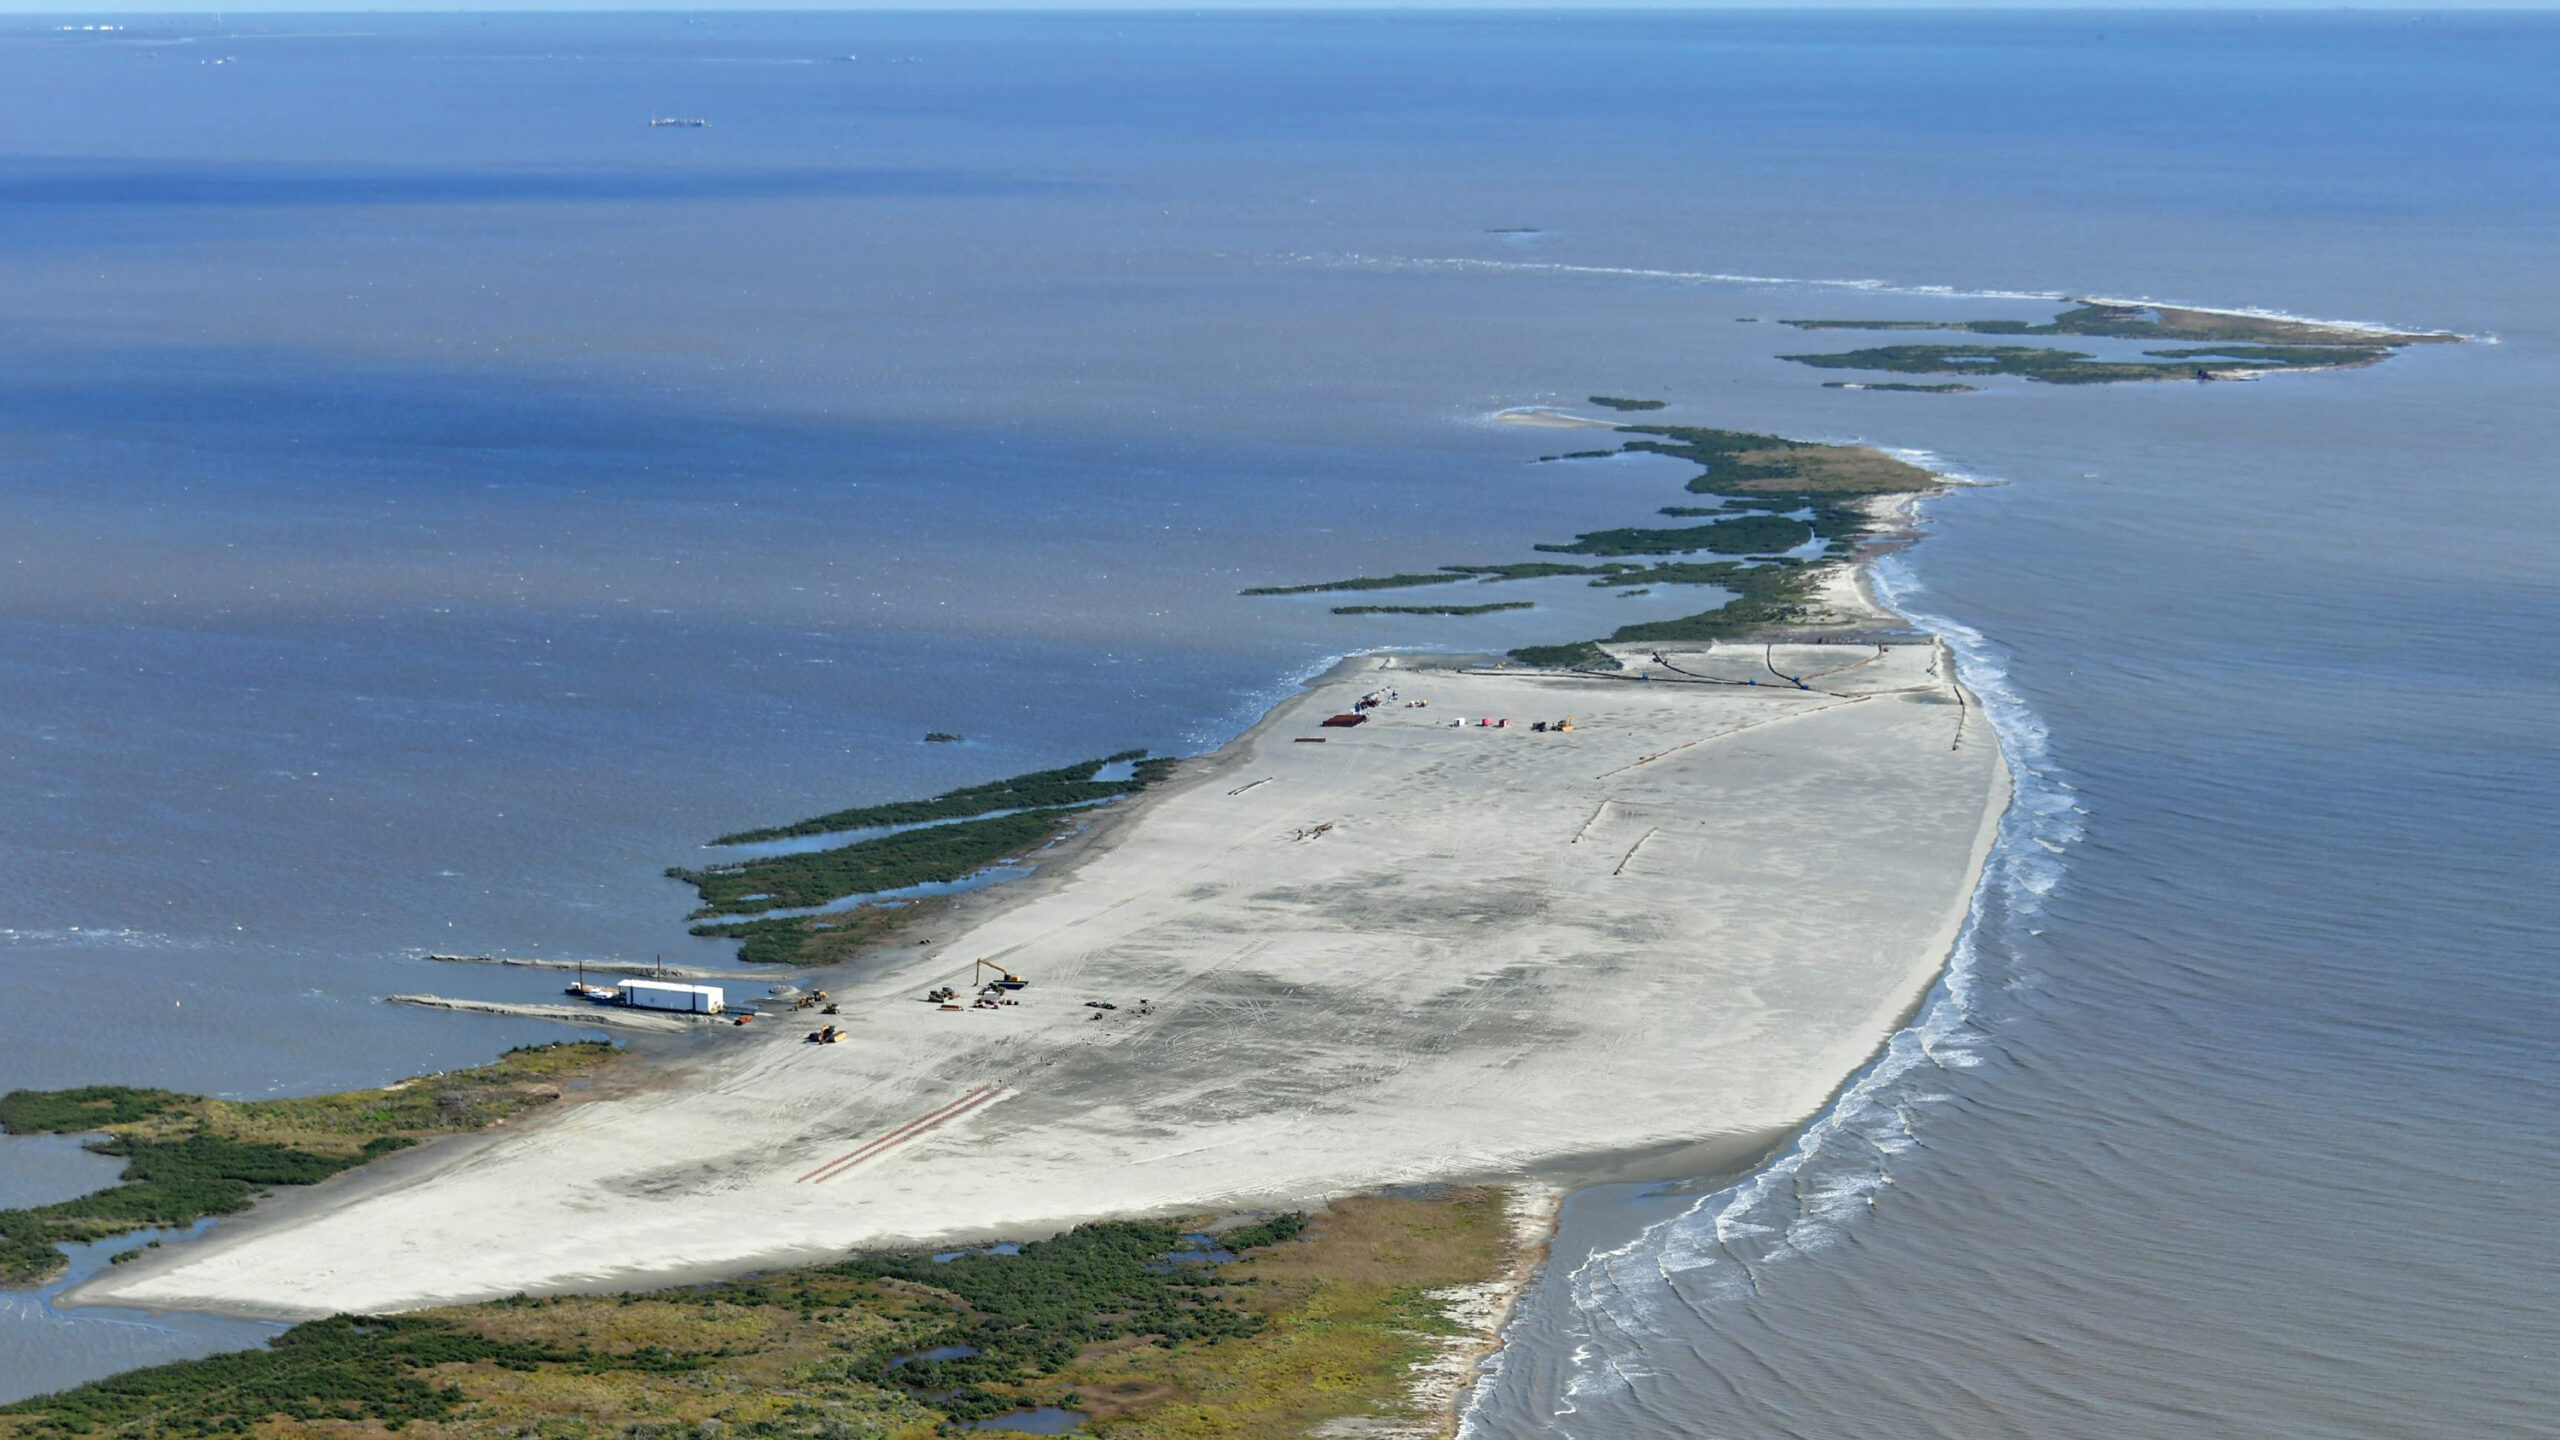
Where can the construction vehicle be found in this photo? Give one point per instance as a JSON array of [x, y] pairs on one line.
[[1005, 979], [942, 995], [825, 1035], [832, 1009]]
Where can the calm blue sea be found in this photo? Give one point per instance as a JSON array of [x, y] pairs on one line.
[[433, 500]]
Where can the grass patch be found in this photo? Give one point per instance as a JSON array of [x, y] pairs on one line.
[[1433, 609], [190, 1156], [1317, 1320], [1620, 402], [1952, 387], [1066, 785]]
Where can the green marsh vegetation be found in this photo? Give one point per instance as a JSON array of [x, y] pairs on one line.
[[2237, 342], [349, 1369], [957, 834], [1578, 655], [811, 940], [1066, 785], [190, 1156], [2073, 367], [1773, 494], [1741, 463], [1765, 597], [2156, 322], [1028, 1315], [1359, 582], [1620, 402], [1485, 609], [934, 854], [1742, 535], [1318, 1318], [1950, 388], [1524, 570], [2276, 356]]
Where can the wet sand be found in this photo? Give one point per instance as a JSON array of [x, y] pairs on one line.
[[1414, 952]]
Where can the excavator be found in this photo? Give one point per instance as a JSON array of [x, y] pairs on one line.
[[1005, 979], [826, 1035]]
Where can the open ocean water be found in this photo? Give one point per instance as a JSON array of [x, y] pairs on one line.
[[432, 501]]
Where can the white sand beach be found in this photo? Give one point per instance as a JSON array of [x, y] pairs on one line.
[[1543, 418], [1417, 951]]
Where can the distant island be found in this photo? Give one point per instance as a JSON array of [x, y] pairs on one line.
[[2238, 346]]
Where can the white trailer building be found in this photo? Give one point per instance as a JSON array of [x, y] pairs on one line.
[[663, 995]]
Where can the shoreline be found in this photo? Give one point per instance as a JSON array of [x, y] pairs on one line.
[[1443, 1386], [1599, 1157], [1903, 527]]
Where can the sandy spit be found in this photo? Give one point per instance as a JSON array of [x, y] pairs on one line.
[[1417, 952]]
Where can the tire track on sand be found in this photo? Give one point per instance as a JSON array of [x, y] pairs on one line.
[[903, 1133]]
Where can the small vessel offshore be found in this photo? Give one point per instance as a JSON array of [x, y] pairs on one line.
[[657, 122]]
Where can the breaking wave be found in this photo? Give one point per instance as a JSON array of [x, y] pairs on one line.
[[1807, 1198]]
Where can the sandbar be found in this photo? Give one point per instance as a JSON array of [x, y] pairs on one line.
[[1546, 419]]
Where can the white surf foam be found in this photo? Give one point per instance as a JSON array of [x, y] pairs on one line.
[[1819, 282], [1807, 1199], [117, 936], [1706, 277]]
